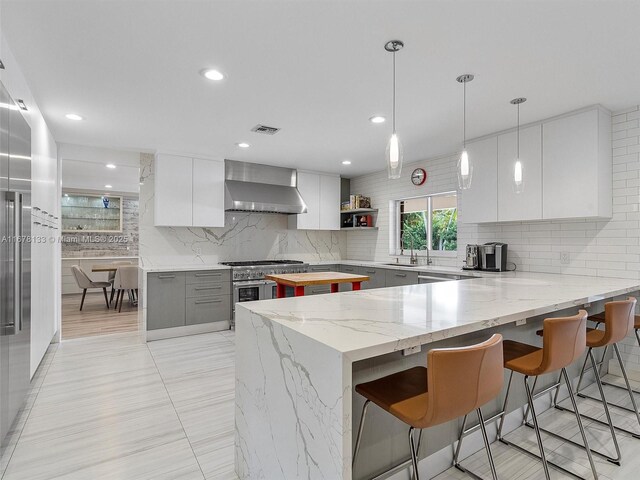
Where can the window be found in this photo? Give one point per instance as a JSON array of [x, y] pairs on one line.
[[429, 222]]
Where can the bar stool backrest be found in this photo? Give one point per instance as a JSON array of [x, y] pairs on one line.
[[564, 339], [462, 379], [619, 319]]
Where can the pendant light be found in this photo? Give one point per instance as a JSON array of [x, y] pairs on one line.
[[518, 173], [394, 147], [465, 167]]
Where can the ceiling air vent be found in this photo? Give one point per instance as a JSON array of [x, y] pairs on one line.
[[266, 130]]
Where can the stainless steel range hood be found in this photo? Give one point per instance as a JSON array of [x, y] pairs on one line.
[[251, 187]]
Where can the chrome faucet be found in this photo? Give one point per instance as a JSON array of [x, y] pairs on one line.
[[413, 259]]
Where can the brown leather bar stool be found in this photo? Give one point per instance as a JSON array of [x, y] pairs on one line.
[[600, 318], [563, 342], [619, 320], [456, 382]]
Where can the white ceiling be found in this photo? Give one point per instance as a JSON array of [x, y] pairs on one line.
[[316, 69]]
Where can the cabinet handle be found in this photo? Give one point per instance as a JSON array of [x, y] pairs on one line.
[[207, 301], [37, 223], [401, 274], [370, 271], [208, 274], [321, 270], [209, 288], [166, 276], [45, 212], [37, 209]]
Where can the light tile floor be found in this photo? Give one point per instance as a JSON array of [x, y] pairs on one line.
[[112, 407]]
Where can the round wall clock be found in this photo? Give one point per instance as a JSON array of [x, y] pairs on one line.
[[418, 176]]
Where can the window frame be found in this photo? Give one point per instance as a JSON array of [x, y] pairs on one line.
[[395, 227]]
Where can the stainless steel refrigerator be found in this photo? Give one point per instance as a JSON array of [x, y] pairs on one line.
[[15, 261]]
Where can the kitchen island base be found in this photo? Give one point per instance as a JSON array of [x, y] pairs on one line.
[[297, 360]]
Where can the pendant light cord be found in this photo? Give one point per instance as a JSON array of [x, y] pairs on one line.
[[464, 115], [518, 134], [394, 93]]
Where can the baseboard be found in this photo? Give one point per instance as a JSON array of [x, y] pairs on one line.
[[164, 333]]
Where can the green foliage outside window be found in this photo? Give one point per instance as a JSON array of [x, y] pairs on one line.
[[444, 230]]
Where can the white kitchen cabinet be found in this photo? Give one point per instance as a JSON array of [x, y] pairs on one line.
[[576, 153], [526, 205], [480, 201], [189, 192], [208, 193], [173, 191], [329, 202], [321, 194]]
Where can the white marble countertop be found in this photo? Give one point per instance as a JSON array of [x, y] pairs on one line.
[[369, 323]]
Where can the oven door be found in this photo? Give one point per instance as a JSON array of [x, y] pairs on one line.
[[248, 291]]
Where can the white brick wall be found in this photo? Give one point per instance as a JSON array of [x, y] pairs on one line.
[[608, 248]]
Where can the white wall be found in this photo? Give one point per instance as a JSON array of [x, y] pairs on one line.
[[83, 168], [45, 263], [374, 244], [244, 237], [607, 248]]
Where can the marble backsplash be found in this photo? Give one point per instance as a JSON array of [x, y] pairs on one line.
[[246, 236], [95, 244]]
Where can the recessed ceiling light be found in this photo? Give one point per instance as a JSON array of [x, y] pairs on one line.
[[243, 145], [73, 116], [213, 74], [110, 165], [377, 119], [108, 186], [346, 162]]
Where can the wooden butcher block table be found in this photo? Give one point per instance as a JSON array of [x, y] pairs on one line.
[[300, 280]]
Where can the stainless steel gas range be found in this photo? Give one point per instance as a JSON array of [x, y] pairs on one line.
[[249, 283]]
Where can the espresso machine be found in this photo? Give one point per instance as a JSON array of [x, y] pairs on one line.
[[493, 257], [472, 258]]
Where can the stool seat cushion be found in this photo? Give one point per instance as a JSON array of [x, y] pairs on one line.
[[521, 357], [403, 394]]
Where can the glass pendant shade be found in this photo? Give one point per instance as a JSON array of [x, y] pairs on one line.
[[394, 157], [518, 177], [465, 171]]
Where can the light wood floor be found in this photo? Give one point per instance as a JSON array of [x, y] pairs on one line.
[[95, 319]]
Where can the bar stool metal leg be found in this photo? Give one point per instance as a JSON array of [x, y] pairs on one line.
[[616, 460], [487, 447], [414, 455], [359, 436], [537, 428], [579, 420]]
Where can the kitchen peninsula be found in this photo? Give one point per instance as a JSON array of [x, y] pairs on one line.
[[298, 359]]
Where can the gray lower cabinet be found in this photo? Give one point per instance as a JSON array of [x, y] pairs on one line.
[[323, 268], [347, 287], [208, 309], [176, 299], [317, 289], [376, 277], [397, 278], [166, 298]]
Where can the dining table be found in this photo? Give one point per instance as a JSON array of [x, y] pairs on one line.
[[300, 280]]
